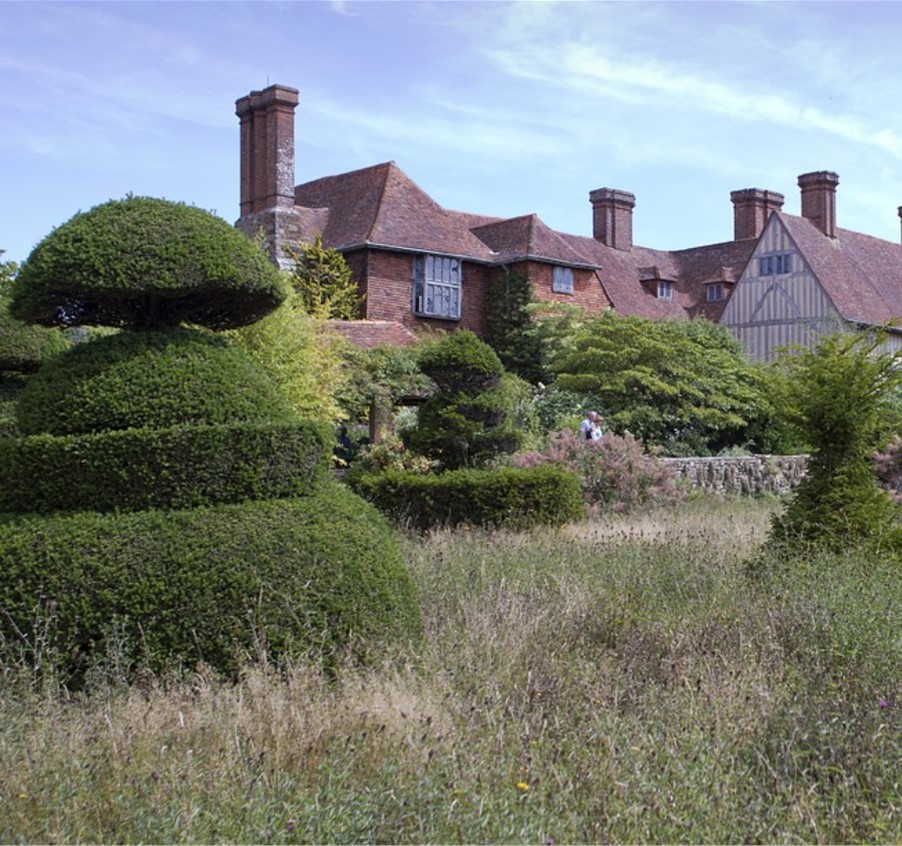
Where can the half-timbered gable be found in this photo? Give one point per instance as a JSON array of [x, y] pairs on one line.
[[778, 301]]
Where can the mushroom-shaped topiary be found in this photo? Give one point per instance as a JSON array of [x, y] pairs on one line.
[[143, 262]]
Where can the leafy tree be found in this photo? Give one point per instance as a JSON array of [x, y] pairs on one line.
[[146, 263], [683, 385], [509, 326], [8, 270], [466, 422], [302, 356], [839, 396], [323, 279]]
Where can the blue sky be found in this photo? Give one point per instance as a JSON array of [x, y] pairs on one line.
[[500, 108]]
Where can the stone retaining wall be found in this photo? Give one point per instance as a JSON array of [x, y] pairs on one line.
[[750, 475]]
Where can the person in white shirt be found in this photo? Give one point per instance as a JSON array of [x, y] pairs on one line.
[[589, 427]]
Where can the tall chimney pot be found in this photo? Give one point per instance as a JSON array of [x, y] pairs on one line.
[[819, 199], [612, 217], [751, 209], [267, 148]]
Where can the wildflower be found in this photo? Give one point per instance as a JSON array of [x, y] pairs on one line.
[[522, 786], [289, 826], [884, 704]]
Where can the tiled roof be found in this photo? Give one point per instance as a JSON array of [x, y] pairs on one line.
[[381, 206], [527, 237], [861, 274], [374, 333]]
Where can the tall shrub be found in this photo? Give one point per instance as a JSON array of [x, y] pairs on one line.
[[465, 423], [838, 395]]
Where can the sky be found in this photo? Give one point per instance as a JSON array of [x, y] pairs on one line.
[[497, 108]]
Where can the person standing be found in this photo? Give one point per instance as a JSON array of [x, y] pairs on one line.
[[589, 426]]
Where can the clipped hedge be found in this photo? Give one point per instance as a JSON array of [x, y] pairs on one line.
[[22, 347], [144, 262], [321, 575], [179, 467], [146, 380], [509, 497], [461, 361]]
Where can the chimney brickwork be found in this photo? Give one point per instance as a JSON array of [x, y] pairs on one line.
[[267, 148], [819, 200], [612, 217], [751, 209], [267, 167]]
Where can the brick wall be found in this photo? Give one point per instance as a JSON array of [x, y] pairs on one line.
[[386, 278], [587, 290]]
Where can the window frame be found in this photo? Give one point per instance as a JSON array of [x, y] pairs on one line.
[[775, 264], [561, 279], [437, 278], [665, 289], [719, 289]]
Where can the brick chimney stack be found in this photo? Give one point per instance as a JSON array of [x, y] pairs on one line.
[[819, 200], [751, 209], [612, 217], [267, 148], [267, 169]]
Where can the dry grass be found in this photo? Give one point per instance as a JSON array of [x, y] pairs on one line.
[[619, 681]]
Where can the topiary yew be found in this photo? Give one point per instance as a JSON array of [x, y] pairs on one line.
[[465, 423], [144, 262], [274, 557], [148, 379]]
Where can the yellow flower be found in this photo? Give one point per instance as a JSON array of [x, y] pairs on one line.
[[522, 785]]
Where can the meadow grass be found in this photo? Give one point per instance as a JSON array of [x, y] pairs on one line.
[[621, 680]]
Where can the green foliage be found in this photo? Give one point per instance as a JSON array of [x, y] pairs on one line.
[[149, 379], [615, 472], [837, 395], [509, 326], [381, 376], [558, 409], [302, 356], [8, 271], [176, 467], [323, 281], [460, 361], [683, 385], [467, 421], [315, 577], [507, 497], [144, 262], [389, 454], [24, 348]]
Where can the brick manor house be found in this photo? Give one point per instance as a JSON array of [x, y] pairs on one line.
[[783, 279]]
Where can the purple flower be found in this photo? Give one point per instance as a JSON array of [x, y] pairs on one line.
[[884, 703]]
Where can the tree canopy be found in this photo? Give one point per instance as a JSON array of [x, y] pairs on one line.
[[684, 385], [143, 262]]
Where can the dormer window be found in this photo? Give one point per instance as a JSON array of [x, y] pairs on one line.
[[665, 290], [437, 283], [775, 264], [715, 292], [562, 280]]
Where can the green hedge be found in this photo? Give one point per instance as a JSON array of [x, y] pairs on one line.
[[509, 497], [144, 262], [320, 576], [179, 467], [148, 379]]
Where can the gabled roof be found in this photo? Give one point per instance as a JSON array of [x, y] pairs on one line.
[[861, 275], [381, 206], [527, 237]]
